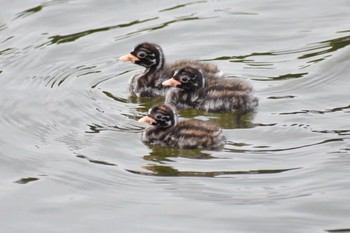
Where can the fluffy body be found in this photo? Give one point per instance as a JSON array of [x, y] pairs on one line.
[[189, 134], [213, 95]]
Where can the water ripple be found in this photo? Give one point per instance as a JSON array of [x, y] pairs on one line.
[[269, 150], [326, 47], [96, 84], [40, 7], [340, 230], [26, 180], [96, 161], [331, 110], [311, 54], [67, 114], [161, 26], [2, 27], [130, 128], [56, 75], [181, 5], [59, 39], [158, 170]]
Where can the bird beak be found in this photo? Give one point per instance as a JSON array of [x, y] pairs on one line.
[[147, 119], [171, 83], [129, 57]]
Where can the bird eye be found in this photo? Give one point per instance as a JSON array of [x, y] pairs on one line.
[[184, 79], [158, 117], [141, 54]]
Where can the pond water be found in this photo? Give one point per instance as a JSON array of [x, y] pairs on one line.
[[71, 159]]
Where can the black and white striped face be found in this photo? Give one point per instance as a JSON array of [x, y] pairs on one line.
[[149, 55], [190, 78], [161, 115]]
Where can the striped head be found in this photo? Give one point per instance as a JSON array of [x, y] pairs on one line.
[[187, 78], [147, 55], [161, 115]]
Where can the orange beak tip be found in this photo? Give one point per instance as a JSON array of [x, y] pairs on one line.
[[129, 58], [124, 58], [141, 120], [171, 83], [166, 83], [147, 119]]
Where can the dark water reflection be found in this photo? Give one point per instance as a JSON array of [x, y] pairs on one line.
[[72, 37], [169, 171], [71, 159]]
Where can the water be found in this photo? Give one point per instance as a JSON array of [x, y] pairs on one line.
[[71, 158]]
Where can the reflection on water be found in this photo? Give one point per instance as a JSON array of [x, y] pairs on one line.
[[161, 26], [57, 75], [312, 53], [162, 154], [332, 110], [346, 230], [26, 180], [40, 7], [181, 5], [232, 147], [328, 47], [96, 161], [163, 170], [72, 37]]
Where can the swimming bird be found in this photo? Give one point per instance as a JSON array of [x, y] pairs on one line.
[[151, 56], [165, 130], [193, 90]]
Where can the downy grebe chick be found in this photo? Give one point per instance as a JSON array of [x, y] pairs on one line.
[[210, 95], [151, 56], [188, 134]]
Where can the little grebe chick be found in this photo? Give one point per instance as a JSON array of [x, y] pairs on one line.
[[151, 56], [188, 134], [193, 90]]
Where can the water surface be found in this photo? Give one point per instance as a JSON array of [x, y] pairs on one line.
[[71, 159]]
